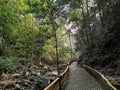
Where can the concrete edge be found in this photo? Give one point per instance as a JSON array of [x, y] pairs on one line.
[[100, 78]]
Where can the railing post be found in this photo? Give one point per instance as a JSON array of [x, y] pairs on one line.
[[57, 56], [60, 87]]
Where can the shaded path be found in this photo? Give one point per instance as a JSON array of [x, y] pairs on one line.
[[81, 80]]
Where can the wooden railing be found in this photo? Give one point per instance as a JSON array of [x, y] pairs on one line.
[[60, 81], [100, 78]]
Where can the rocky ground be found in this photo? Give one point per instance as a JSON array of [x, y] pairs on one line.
[[35, 79]]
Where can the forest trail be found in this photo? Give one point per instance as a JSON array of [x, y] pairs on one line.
[[80, 79]]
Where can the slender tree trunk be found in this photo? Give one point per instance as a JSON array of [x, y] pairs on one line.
[[99, 6], [71, 49], [84, 21], [32, 22], [100, 12], [25, 29], [88, 22], [87, 39]]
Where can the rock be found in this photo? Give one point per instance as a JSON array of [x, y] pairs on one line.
[[9, 86], [38, 74], [33, 78], [33, 73], [26, 80], [45, 67], [16, 75], [17, 86], [48, 74], [27, 73], [26, 84], [54, 72], [51, 68], [40, 85]]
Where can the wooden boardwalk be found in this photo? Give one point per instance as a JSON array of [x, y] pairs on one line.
[[80, 79]]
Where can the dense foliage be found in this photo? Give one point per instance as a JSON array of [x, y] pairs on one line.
[[28, 29], [98, 37], [27, 33]]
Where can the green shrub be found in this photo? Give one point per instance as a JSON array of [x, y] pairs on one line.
[[7, 62]]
